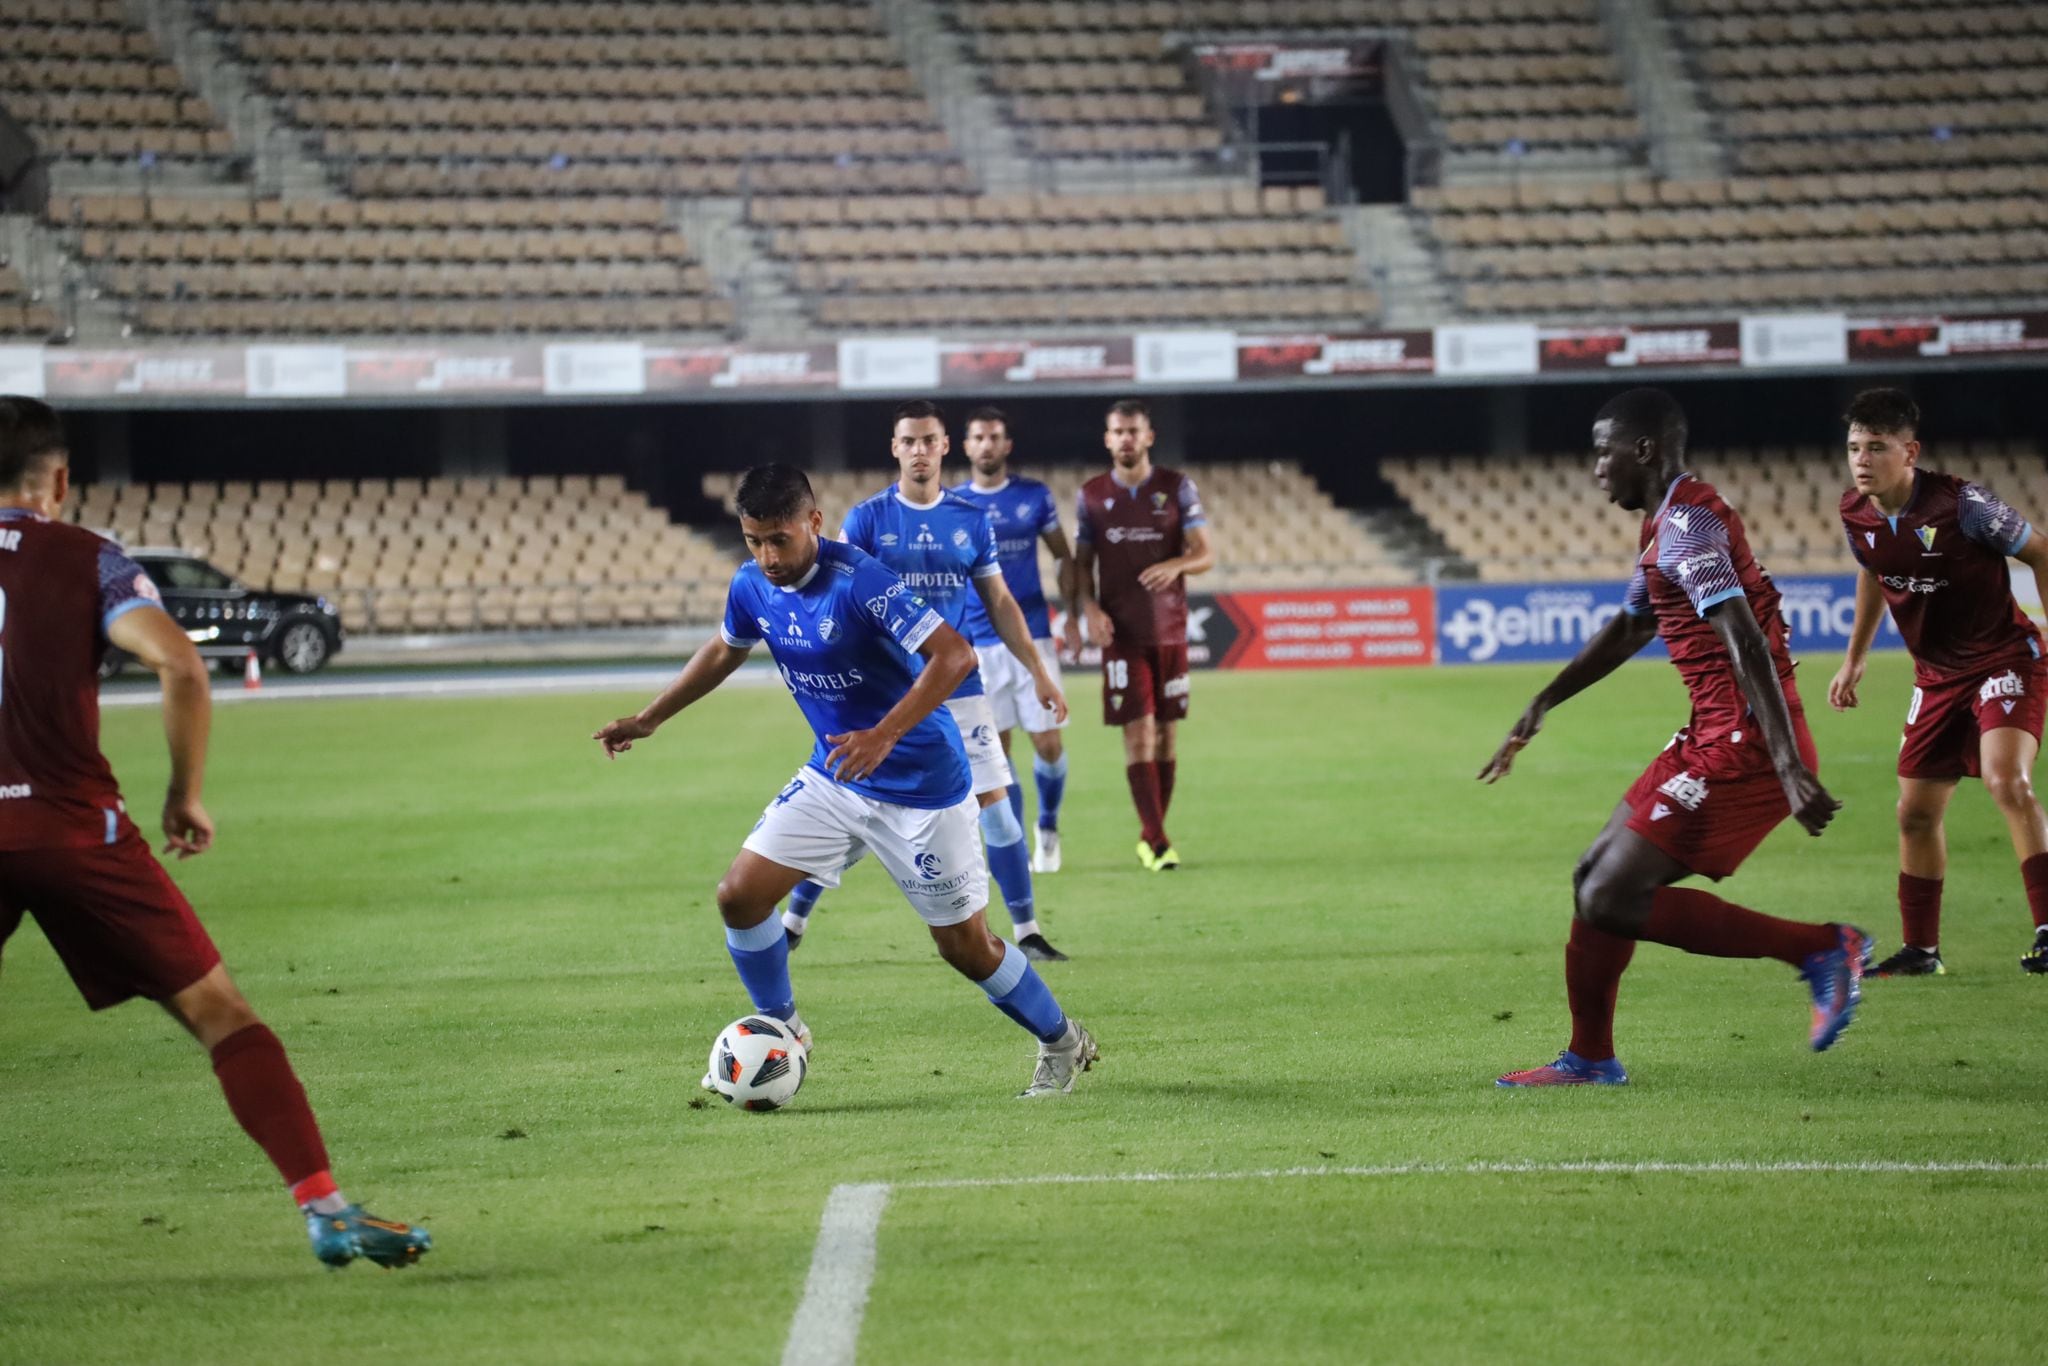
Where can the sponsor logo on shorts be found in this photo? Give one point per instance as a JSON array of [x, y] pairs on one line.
[[933, 888], [1175, 687], [2007, 684], [928, 866], [11, 791], [1686, 790]]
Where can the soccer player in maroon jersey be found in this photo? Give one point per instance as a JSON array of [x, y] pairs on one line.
[[71, 857], [1933, 549], [1141, 532], [1743, 762]]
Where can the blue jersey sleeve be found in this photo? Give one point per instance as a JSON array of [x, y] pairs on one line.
[[858, 529], [1191, 513], [890, 607], [1693, 552], [741, 629], [123, 586], [1048, 519], [1991, 522], [987, 563]]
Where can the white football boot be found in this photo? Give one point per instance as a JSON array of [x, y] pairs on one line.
[[1061, 1064]]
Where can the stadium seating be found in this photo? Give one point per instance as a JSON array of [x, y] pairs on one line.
[[1056, 259], [431, 555], [214, 264], [1539, 517], [90, 83], [454, 98], [1791, 82], [23, 317], [1271, 525], [1757, 241], [1086, 80]]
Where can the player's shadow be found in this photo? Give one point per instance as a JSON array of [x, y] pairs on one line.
[[878, 1106]]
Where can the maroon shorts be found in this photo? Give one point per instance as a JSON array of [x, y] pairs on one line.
[[1710, 806], [1144, 680], [1946, 721], [117, 921]]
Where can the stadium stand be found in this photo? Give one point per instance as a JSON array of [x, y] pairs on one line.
[[23, 316], [1791, 82], [1088, 80], [431, 555], [1272, 526], [1528, 518], [1077, 258], [91, 83]]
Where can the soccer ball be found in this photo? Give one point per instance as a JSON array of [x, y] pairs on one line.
[[757, 1063]]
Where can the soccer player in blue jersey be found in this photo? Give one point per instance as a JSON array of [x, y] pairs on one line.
[[944, 547], [1023, 513], [870, 663]]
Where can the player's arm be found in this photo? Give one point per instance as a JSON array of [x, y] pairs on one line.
[[1198, 558], [1862, 631], [1750, 654], [1015, 633], [713, 663], [1613, 645], [1064, 570], [2034, 555], [147, 632], [1087, 623], [948, 659]]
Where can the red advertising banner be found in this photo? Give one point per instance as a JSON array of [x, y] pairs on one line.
[[1325, 355], [982, 365], [1978, 334], [444, 370], [102, 374], [1600, 348], [1334, 628], [676, 368]]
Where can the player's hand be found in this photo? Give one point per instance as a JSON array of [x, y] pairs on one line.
[[1812, 805], [618, 736], [857, 754], [1074, 640], [1051, 698], [1523, 731], [1101, 630], [1157, 578], [1842, 687], [188, 830]]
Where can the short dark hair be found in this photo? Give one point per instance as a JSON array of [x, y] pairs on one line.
[[1890, 411], [988, 412], [773, 493], [917, 410], [1131, 407], [1648, 412], [29, 430]]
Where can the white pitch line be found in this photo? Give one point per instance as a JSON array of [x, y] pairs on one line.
[[826, 1329], [827, 1323]]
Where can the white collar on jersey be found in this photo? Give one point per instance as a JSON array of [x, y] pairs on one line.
[[1114, 478], [1683, 475], [919, 507], [997, 489], [803, 582]]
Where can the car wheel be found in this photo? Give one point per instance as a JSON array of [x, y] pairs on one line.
[[303, 647]]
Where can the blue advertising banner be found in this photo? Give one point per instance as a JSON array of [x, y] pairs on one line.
[[1505, 623]]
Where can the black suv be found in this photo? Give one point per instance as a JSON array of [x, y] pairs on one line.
[[226, 620]]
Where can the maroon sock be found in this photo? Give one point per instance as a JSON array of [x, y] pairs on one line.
[[1920, 909], [1593, 963], [1700, 922], [2034, 872], [1144, 780], [269, 1103], [1166, 768]]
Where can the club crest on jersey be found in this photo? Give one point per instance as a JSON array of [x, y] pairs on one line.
[[960, 536], [1023, 509], [1685, 790], [1926, 535], [2007, 684], [1158, 500], [827, 629]]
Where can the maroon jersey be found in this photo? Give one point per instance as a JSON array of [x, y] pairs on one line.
[[1942, 565], [60, 586], [1696, 554], [1132, 529]]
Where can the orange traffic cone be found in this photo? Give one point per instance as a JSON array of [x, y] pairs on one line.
[[252, 672]]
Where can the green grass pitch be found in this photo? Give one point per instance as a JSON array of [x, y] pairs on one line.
[[496, 963]]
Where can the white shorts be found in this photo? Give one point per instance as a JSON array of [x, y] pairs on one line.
[[823, 829], [987, 765], [1011, 695]]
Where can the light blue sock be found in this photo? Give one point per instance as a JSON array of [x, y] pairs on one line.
[[1052, 789], [761, 956], [803, 899], [1017, 802], [1008, 860], [1019, 992]]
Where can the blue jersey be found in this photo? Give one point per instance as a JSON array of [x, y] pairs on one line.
[[1019, 511], [938, 550], [845, 639]]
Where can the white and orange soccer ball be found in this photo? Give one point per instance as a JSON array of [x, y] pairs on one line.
[[757, 1063]]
